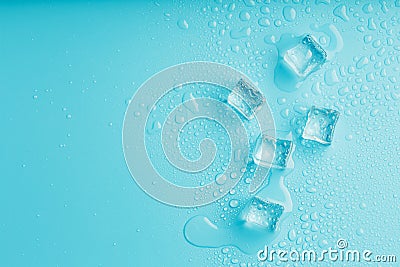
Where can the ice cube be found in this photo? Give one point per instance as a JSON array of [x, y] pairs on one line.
[[272, 152], [261, 214], [246, 99], [306, 57], [320, 125]]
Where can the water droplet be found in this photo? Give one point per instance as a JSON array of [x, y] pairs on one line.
[[277, 22], [326, 2], [241, 33], [343, 91], [362, 62], [341, 12], [371, 24], [249, 3], [314, 216], [220, 179], [331, 77], [323, 243], [304, 217], [370, 77], [182, 24], [264, 22], [235, 48], [360, 231], [367, 8], [234, 203], [311, 190], [281, 100], [225, 250], [292, 235], [374, 112], [265, 10], [244, 16], [349, 137], [289, 13], [179, 119]]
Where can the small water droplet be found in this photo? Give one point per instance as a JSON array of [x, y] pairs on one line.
[[374, 112], [362, 62], [241, 33], [292, 235], [220, 179], [182, 24], [360, 231]]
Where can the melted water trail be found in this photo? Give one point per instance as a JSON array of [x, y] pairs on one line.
[[277, 192], [201, 232]]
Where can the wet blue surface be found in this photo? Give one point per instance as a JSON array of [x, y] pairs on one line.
[[69, 69]]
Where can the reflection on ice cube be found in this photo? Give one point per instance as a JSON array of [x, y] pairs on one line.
[[246, 99], [320, 125], [262, 215], [272, 152], [305, 57]]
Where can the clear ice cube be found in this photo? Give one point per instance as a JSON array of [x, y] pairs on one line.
[[272, 152], [246, 99], [261, 214], [320, 125], [306, 57]]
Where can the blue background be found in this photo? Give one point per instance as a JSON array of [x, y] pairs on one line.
[[68, 70]]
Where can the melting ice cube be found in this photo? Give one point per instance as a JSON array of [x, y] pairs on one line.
[[246, 99], [261, 214], [272, 152], [320, 125], [305, 57]]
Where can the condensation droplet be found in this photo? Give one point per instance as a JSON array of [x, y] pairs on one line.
[[182, 24], [289, 13], [234, 203]]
